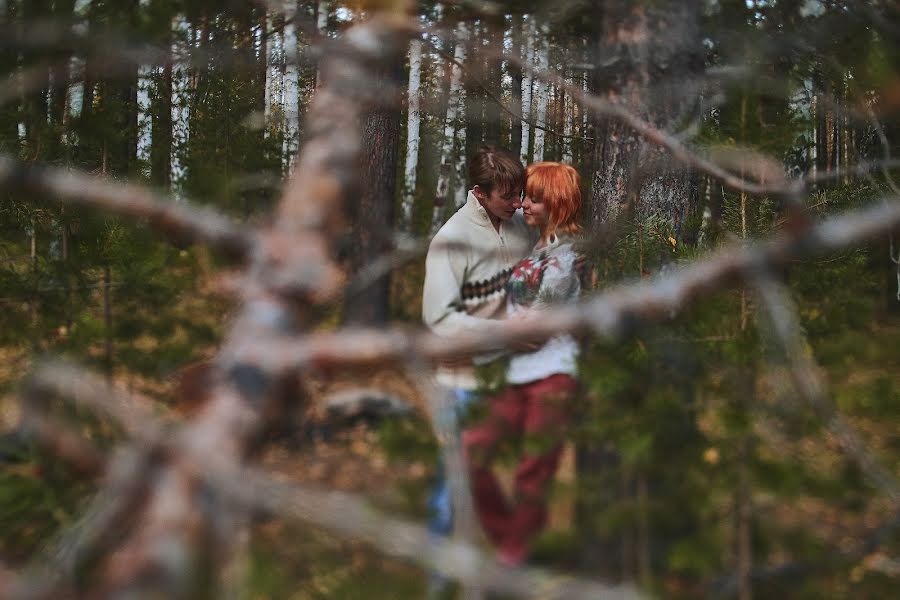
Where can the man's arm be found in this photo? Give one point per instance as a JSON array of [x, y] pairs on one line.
[[441, 295]]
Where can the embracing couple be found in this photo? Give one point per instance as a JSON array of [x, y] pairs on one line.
[[508, 251]]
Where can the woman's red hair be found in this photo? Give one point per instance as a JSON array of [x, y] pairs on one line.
[[557, 185]]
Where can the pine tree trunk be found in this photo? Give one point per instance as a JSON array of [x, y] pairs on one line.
[[541, 93], [272, 43], [413, 118], [462, 142], [450, 127], [374, 217], [472, 110], [649, 49], [492, 115], [161, 131], [515, 125], [36, 102]]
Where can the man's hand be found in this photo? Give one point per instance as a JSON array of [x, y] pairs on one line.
[[456, 362], [528, 344]]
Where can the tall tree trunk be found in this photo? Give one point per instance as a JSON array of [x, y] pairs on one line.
[[161, 132], [541, 93], [515, 125], [59, 79], [374, 216], [273, 85], [568, 116], [490, 89], [462, 142], [291, 140], [529, 31], [180, 101], [36, 103], [450, 127], [413, 118], [643, 44], [146, 76]]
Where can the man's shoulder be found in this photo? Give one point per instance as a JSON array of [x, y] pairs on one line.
[[458, 227]]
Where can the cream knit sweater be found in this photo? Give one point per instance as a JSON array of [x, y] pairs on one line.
[[466, 270]]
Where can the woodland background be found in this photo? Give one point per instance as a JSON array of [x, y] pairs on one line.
[[698, 471]]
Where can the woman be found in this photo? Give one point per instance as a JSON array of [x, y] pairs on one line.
[[533, 409]]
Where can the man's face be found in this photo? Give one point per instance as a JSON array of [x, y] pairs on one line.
[[502, 204]]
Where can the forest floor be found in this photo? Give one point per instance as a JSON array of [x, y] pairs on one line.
[[390, 462]]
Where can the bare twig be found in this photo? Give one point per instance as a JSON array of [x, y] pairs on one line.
[[129, 411], [811, 386], [62, 441], [109, 516], [349, 516], [176, 218], [607, 315]]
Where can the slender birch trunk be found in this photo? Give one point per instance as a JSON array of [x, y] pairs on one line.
[[74, 98], [529, 30], [450, 125], [542, 92], [291, 141], [568, 116], [181, 107], [515, 73], [460, 177], [272, 45], [413, 120], [459, 172], [144, 118]]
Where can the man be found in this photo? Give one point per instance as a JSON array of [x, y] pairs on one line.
[[469, 261]]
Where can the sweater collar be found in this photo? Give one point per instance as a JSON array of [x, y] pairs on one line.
[[477, 212], [555, 241]]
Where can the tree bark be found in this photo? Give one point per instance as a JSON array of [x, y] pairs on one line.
[[451, 125], [291, 86], [649, 50], [374, 215], [515, 125], [525, 138], [541, 93], [413, 119], [180, 101]]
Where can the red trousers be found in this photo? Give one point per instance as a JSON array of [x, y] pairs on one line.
[[531, 418]]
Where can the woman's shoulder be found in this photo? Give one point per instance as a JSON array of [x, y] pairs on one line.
[[568, 244]]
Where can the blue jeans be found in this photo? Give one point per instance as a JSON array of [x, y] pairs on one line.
[[440, 505]]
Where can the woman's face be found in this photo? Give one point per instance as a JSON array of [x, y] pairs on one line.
[[536, 212]]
